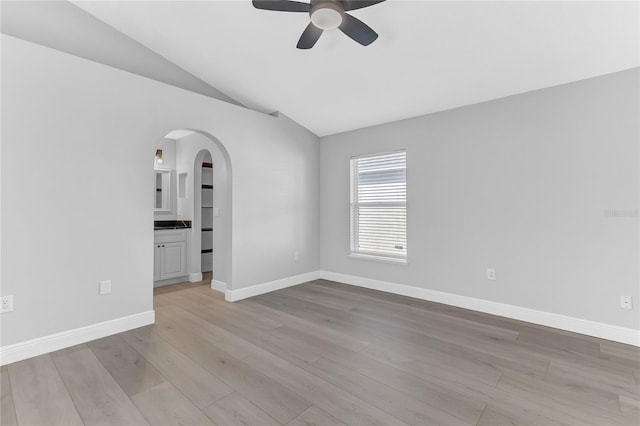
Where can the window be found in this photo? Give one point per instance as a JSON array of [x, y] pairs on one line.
[[379, 206]]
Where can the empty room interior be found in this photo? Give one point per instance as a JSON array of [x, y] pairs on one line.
[[320, 212]]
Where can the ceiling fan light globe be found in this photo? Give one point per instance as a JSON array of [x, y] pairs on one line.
[[326, 18]]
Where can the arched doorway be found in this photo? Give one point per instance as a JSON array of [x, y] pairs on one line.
[[197, 171]]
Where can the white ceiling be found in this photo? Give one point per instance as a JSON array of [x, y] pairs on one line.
[[430, 56]]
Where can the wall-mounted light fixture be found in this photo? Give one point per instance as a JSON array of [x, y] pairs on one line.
[[159, 156]]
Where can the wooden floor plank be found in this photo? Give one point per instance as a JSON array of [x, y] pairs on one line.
[[225, 313], [314, 416], [331, 319], [456, 393], [236, 410], [297, 345], [417, 348], [384, 310], [301, 349], [132, 372], [491, 417], [447, 311], [165, 405], [631, 353], [97, 396], [578, 405], [346, 341], [455, 404], [629, 405], [569, 343], [405, 407], [200, 386], [330, 398], [7, 408], [441, 363], [276, 400], [201, 327], [630, 408], [39, 394], [571, 354], [613, 381]]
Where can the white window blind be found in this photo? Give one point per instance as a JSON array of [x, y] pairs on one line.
[[379, 205]]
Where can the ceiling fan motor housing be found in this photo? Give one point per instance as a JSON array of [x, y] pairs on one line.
[[326, 14]]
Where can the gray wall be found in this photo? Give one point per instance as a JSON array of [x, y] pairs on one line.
[[543, 186], [64, 26], [78, 140]]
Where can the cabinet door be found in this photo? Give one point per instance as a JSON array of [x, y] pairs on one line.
[[174, 260], [157, 260]]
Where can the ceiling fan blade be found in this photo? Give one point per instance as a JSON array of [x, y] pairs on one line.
[[281, 5], [358, 4], [358, 30], [309, 37]]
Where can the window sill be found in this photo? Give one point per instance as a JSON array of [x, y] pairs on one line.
[[382, 259]]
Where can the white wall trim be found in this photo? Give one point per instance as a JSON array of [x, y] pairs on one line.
[[220, 286], [195, 277], [65, 339], [577, 325], [255, 290], [170, 281]]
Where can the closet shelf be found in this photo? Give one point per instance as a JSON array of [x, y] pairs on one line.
[[206, 225]]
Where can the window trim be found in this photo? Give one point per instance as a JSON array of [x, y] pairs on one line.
[[377, 258], [353, 234]]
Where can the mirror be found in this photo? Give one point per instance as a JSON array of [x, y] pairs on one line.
[[162, 199]]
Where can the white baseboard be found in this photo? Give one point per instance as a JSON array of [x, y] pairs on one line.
[[65, 339], [170, 281], [220, 286], [195, 277], [577, 325], [255, 290]]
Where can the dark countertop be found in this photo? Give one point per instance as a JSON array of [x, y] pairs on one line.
[[159, 225]]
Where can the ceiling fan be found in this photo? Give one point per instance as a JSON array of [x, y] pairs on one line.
[[326, 15]]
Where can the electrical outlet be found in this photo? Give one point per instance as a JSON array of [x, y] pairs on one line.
[[105, 287], [6, 304], [296, 255], [626, 302], [491, 274]]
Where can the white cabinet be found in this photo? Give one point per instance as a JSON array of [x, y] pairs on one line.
[[156, 261], [173, 260], [170, 254]]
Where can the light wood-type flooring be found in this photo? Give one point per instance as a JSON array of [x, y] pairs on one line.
[[326, 354]]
